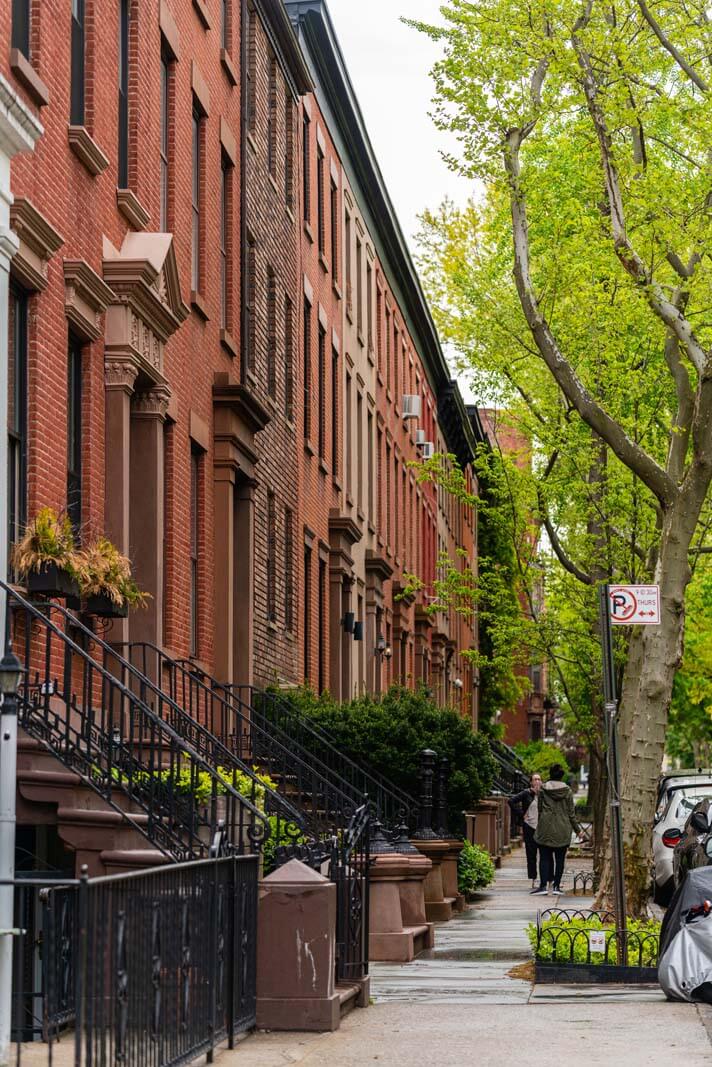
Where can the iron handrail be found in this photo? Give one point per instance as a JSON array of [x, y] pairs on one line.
[[322, 799], [206, 743], [123, 749]]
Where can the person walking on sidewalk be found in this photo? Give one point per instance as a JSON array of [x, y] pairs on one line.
[[557, 820], [525, 806]]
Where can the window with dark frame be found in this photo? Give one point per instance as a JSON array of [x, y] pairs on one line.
[[306, 167], [271, 333], [74, 433], [225, 24], [379, 328], [359, 288], [388, 495], [322, 618], [17, 420], [272, 119], [388, 349], [271, 558], [306, 627], [196, 200], [288, 569], [359, 450], [306, 367], [225, 172], [288, 358], [369, 305], [320, 201], [379, 478], [371, 472], [123, 154], [76, 103], [250, 72], [348, 435], [322, 392], [249, 282], [334, 200], [347, 263], [165, 134], [289, 151], [195, 463], [20, 33], [334, 411]]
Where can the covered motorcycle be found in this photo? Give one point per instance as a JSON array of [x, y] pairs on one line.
[[685, 961]]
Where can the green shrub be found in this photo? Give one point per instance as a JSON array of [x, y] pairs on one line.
[[539, 757], [389, 733], [556, 945], [475, 869]]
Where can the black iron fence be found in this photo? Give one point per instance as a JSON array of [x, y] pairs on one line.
[[149, 969], [563, 936]]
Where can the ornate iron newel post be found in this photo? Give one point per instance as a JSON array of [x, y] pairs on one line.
[[425, 830], [441, 820]]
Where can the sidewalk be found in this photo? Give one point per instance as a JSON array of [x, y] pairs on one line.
[[456, 1006]]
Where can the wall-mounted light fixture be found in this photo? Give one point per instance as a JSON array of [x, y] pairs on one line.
[[458, 683], [349, 622], [358, 631], [382, 649]]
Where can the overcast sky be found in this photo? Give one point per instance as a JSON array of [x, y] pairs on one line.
[[389, 64]]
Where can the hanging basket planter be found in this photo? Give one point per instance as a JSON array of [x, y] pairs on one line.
[[103, 606], [52, 581]]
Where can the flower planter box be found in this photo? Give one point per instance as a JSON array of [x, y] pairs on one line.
[[105, 607], [593, 974], [52, 581]]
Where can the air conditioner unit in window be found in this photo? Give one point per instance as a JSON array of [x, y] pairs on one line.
[[411, 406], [427, 450], [420, 437]]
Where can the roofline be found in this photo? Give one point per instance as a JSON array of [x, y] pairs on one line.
[[284, 41], [314, 20]]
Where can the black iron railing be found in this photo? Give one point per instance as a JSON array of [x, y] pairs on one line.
[[151, 969], [324, 800], [510, 776], [350, 863], [558, 940], [134, 759]]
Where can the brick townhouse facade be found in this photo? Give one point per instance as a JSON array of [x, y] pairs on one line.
[[220, 354]]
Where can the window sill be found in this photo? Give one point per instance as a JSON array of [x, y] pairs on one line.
[[251, 141], [359, 337], [349, 500], [379, 375], [371, 357], [323, 263], [132, 209], [337, 483], [309, 447], [28, 77], [389, 394], [350, 313], [226, 340], [228, 66], [337, 289], [290, 213], [272, 627], [323, 466], [197, 302], [308, 231], [290, 424], [273, 182], [371, 528], [201, 9], [360, 515], [87, 150]]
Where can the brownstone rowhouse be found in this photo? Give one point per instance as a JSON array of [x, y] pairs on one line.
[[265, 541], [127, 287]]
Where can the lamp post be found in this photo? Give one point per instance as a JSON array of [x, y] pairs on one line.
[[10, 674]]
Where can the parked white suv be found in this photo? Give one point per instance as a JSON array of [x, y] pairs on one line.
[[674, 807]]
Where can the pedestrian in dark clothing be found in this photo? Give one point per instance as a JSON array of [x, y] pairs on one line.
[[525, 806], [557, 820]]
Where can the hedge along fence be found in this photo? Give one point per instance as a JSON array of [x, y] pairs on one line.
[[563, 937]]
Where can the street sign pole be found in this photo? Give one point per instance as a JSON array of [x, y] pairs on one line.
[[610, 704]]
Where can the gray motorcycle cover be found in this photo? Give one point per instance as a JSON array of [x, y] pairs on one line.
[[695, 888], [687, 962]]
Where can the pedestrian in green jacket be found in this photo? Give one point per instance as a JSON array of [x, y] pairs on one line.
[[556, 822]]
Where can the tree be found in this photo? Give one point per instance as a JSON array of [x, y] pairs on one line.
[[689, 735], [590, 126]]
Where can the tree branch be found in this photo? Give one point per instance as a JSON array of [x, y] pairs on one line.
[[558, 548], [670, 47], [629, 453], [665, 309]]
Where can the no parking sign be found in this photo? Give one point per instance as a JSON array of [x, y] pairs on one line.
[[634, 605]]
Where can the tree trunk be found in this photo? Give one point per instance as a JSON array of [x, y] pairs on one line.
[[598, 802], [653, 657]]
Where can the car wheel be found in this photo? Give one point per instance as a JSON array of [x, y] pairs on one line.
[[662, 894]]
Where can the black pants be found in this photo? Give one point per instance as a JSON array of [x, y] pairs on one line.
[[531, 848], [551, 864]]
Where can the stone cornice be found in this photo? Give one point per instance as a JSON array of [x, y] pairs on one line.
[[38, 243], [378, 565], [86, 297], [344, 525], [242, 402], [19, 129]]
